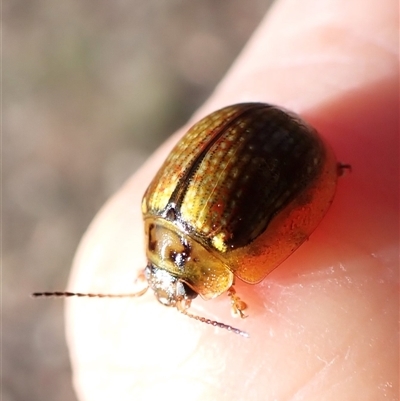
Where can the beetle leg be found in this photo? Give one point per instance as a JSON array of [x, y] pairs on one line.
[[183, 304], [342, 167], [237, 305], [140, 279]]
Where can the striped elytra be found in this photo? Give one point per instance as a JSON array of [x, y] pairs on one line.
[[239, 193], [242, 190]]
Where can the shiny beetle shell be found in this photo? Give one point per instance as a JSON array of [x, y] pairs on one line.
[[242, 190]]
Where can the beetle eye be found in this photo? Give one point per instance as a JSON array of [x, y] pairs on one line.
[[188, 292]]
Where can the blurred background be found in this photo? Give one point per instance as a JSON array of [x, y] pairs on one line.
[[90, 88]]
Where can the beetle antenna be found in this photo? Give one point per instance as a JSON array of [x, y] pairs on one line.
[[215, 323], [66, 294]]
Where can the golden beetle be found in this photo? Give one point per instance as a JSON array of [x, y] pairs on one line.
[[241, 191]]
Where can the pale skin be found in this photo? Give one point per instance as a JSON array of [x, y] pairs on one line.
[[324, 324]]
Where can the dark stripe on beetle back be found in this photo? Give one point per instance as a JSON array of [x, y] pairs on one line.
[[281, 149], [178, 195]]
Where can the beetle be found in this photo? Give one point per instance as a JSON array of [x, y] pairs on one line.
[[239, 193]]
